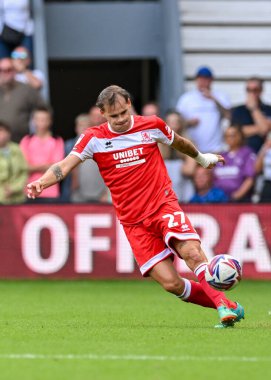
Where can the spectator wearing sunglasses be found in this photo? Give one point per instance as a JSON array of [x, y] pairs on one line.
[[22, 65], [17, 101], [254, 116]]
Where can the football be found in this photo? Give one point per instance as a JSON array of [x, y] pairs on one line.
[[223, 272]]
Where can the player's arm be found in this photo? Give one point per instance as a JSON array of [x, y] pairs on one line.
[[207, 160], [56, 173]]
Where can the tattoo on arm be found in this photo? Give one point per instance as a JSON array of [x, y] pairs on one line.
[[57, 172]]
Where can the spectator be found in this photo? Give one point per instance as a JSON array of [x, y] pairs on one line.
[[95, 116], [41, 149], [150, 109], [236, 177], [253, 116], [206, 192], [180, 167], [82, 122], [204, 109], [22, 63], [17, 101], [263, 165], [13, 169], [87, 184], [16, 26]]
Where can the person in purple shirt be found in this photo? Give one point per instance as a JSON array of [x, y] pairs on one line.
[[236, 177]]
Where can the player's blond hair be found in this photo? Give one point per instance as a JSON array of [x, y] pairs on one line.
[[109, 96]]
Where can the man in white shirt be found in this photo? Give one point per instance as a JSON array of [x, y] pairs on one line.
[[204, 109]]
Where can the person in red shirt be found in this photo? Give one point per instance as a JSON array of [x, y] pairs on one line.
[[126, 151]]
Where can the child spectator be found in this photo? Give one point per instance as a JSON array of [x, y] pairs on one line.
[[42, 149]]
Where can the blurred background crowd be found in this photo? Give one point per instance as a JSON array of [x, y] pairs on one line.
[[30, 140]]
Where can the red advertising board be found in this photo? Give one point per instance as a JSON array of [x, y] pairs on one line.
[[86, 241]]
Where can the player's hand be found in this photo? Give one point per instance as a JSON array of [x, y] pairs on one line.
[[34, 189], [209, 160], [219, 159]]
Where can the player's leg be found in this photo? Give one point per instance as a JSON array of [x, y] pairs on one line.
[[155, 259], [190, 291], [192, 253]]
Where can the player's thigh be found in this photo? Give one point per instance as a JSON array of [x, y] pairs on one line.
[[148, 247]]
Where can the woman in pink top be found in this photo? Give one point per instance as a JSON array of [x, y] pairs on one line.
[[41, 149]]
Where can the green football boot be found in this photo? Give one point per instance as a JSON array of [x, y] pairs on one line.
[[227, 317], [239, 310]]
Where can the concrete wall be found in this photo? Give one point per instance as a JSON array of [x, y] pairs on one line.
[[117, 30]]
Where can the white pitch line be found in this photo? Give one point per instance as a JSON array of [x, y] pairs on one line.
[[247, 359]]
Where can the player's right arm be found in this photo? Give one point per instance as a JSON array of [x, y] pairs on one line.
[[56, 173], [207, 160]]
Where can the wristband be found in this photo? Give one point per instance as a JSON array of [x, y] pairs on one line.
[[205, 159]]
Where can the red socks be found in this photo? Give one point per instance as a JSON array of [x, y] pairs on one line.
[[199, 297]]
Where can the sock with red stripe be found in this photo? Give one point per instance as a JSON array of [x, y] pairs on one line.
[[194, 293], [218, 298]]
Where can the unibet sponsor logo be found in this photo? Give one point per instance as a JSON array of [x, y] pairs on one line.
[[129, 157]]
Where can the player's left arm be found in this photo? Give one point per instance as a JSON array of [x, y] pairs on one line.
[[207, 160]]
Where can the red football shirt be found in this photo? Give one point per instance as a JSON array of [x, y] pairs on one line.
[[131, 165]]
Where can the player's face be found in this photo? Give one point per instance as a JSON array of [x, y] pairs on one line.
[[119, 115]]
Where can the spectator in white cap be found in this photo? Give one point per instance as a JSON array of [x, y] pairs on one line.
[[204, 109]]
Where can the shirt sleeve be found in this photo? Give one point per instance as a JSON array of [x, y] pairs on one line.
[[164, 133], [83, 146]]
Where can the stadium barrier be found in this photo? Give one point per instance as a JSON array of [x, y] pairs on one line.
[[86, 241]]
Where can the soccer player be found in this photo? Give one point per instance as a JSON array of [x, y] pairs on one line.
[[126, 151]]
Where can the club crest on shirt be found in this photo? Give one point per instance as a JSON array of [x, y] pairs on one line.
[[146, 137]]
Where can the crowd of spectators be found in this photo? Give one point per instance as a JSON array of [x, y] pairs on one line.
[[241, 134]]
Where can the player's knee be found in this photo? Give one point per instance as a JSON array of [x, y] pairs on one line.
[[192, 253], [173, 285]]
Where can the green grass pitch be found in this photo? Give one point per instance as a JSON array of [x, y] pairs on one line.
[[128, 330]]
